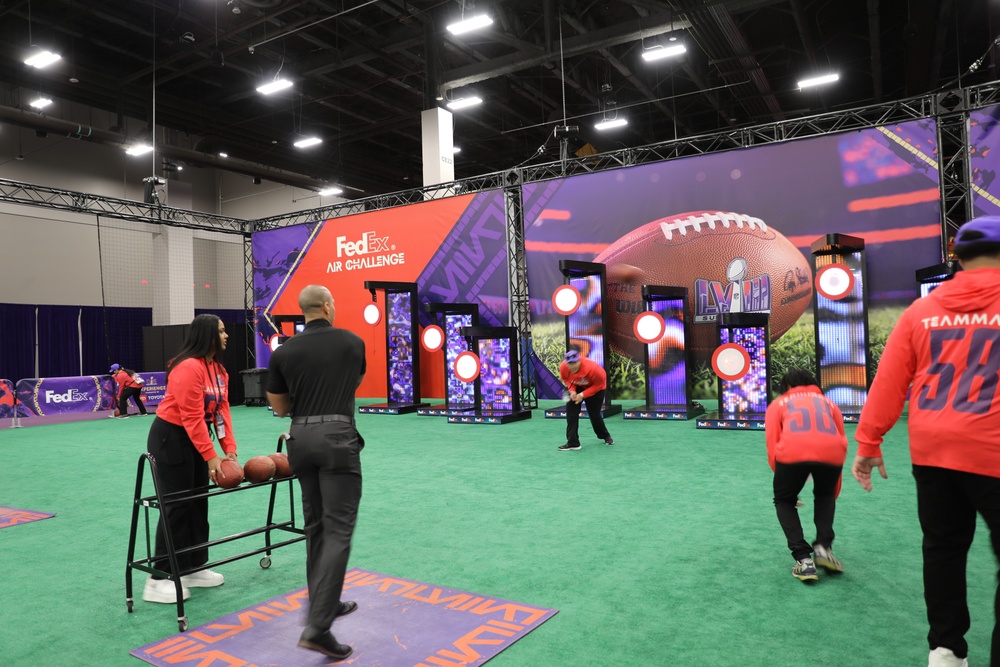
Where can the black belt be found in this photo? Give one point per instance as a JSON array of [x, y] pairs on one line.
[[319, 419]]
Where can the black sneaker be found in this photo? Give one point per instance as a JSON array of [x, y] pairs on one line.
[[324, 643], [569, 447], [609, 441]]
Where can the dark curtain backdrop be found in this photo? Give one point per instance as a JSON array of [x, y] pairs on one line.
[[58, 341], [235, 316], [17, 341], [125, 337]]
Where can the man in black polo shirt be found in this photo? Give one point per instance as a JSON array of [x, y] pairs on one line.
[[313, 377]]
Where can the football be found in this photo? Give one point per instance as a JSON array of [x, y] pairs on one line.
[[729, 262]]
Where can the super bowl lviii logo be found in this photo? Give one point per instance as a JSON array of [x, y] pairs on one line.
[[739, 294]]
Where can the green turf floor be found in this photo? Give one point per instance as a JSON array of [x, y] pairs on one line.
[[661, 550]]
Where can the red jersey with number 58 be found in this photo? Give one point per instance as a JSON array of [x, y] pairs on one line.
[[802, 425], [947, 345]]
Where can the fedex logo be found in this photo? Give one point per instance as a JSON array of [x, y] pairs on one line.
[[368, 244], [71, 396]]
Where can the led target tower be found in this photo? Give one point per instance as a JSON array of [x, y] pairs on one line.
[[742, 362], [664, 330], [931, 277], [460, 396], [582, 299], [402, 362], [840, 307], [492, 365]]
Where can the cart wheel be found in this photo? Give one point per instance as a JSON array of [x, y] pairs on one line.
[[265, 562], [182, 623], [128, 605]]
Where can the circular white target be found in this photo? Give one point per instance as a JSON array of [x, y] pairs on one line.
[[835, 281], [730, 361], [648, 327], [432, 338], [566, 299], [467, 366], [372, 314]]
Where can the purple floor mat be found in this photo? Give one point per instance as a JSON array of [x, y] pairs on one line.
[[399, 623], [11, 516]]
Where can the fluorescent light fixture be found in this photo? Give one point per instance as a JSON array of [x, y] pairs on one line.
[[307, 142], [661, 52], [456, 150], [470, 24], [610, 124], [274, 86], [818, 80], [41, 102], [329, 192], [221, 154], [42, 59], [464, 103], [138, 149]]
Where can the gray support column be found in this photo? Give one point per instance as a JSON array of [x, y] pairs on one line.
[[173, 298], [437, 131]]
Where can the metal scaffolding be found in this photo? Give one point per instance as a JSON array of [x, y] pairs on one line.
[[517, 288]]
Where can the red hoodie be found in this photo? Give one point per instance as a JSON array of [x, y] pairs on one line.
[[197, 392], [802, 425], [588, 380], [948, 346]]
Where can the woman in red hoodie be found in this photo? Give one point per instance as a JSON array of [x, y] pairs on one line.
[[947, 346], [805, 436]]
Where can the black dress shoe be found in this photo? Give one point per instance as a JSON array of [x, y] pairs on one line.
[[324, 643], [346, 608]]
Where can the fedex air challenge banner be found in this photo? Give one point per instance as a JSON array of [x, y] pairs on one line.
[[735, 229], [454, 249]]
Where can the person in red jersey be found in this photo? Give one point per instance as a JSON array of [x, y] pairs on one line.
[[805, 436], [128, 387], [945, 351], [586, 383], [180, 440]]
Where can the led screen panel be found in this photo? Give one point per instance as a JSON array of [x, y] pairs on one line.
[[667, 357], [927, 288], [460, 394], [749, 393], [496, 374], [399, 328], [841, 346], [586, 325]]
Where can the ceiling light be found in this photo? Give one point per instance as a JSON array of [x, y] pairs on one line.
[[470, 24], [41, 102], [138, 149], [328, 192], [818, 80], [274, 86], [223, 154], [456, 149], [307, 142], [464, 103], [610, 124], [660, 52], [42, 59]]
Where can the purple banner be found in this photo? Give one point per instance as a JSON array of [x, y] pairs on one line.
[[984, 159], [59, 396], [8, 402], [399, 623], [155, 387]]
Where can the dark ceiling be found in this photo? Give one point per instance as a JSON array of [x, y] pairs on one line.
[[363, 70]]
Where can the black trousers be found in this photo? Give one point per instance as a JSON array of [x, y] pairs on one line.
[[179, 467], [134, 394], [327, 459], [594, 405], [789, 478], [947, 503]]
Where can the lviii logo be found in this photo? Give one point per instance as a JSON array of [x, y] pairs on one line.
[[368, 244]]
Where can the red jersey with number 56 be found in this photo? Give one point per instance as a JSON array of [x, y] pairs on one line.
[[948, 346], [802, 425]]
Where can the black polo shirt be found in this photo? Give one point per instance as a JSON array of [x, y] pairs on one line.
[[319, 369]]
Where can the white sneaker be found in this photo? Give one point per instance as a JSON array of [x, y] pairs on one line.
[[163, 591], [203, 579], [944, 657]]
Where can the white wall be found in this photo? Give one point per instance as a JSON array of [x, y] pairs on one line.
[[240, 198]]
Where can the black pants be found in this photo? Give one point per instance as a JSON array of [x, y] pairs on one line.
[[134, 394], [947, 503], [789, 478], [179, 467], [327, 459], [594, 405]]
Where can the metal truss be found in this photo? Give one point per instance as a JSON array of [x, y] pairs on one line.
[[954, 165], [79, 202], [517, 288], [248, 300]]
